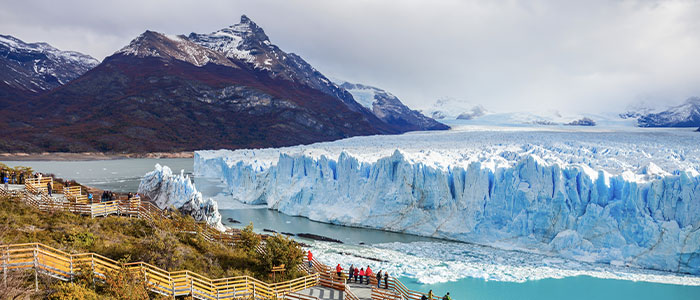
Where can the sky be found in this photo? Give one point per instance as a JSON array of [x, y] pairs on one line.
[[571, 56]]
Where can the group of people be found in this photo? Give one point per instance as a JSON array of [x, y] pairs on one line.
[[107, 196], [430, 296], [12, 177], [364, 275]]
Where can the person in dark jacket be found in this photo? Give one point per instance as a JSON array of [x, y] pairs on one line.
[[386, 280], [49, 188], [351, 272], [379, 279]]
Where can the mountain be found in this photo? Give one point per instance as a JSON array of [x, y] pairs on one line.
[[684, 115], [167, 93], [247, 42], [389, 108], [451, 108], [38, 67]]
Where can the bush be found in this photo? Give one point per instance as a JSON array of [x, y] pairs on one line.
[[280, 250], [249, 240], [72, 291]]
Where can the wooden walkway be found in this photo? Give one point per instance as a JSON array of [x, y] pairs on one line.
[[322, 282]]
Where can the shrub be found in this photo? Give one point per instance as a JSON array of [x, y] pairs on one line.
[[249, 240], [282, 250], [72, 291]]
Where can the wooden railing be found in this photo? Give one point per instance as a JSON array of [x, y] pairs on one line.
[[64, 266], [324, 275], [37, 185]]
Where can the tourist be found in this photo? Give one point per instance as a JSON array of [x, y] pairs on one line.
[[338, 270], [379, 279], [447, 297], [129, 196], [430, 295], [357, 274], [351, 271], [7, 181], [48, 188], [423, 297], [362, 274], [386, 280], [311, 258], [90, 197], [368, 274]]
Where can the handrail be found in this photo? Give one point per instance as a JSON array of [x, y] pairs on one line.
[[65, 266], [321, 274]]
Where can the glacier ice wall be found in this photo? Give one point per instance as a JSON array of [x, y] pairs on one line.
[[569, 211], [168, 190]]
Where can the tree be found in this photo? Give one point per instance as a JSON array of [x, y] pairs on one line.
[[280, 250], [249, 240]]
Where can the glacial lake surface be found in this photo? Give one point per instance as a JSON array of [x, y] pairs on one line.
[[366, 246]]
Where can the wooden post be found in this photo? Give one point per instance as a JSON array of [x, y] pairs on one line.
[[92, 264], [71, 268], [6, 260], [36, 267]]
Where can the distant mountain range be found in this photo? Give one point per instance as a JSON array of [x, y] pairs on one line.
[[231, 88], [684, 115], [38, 67]]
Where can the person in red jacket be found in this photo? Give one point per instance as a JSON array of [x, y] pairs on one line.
[[362, 274], [310, 257], [339, 270], [368, 273], [357, 273]]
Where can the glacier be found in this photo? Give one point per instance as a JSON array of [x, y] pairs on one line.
[[168, 190], [624, 198]]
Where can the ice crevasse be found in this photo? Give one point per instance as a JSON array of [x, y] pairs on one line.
[[531, 205], [176, 191]]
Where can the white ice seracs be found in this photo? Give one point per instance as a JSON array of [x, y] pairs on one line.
[[613, 197], [167, 190]]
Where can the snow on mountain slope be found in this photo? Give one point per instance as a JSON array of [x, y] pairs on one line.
[[684, 115], [168, 190], [154, 44], [389, 108], [452, 108], [246, 41], [629, 198], [37, 67]]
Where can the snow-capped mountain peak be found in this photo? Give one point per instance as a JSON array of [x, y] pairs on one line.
[[389, 108], [247, 42], [154, 44], [684, 115], [452, 108], [39, 66]]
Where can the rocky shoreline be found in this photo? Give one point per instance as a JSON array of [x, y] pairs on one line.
[[84, 156]]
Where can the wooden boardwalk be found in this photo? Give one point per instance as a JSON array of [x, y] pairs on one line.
[[321, 283]]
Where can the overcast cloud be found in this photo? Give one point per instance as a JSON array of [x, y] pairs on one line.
[[574, 56]]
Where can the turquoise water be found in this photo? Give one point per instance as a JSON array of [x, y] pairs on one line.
[[570, 288], [578, 287]]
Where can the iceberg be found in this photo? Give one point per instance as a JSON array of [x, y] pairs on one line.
[[630, 199], [167, 191]]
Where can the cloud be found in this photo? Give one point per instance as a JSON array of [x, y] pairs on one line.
[[578, 56]]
